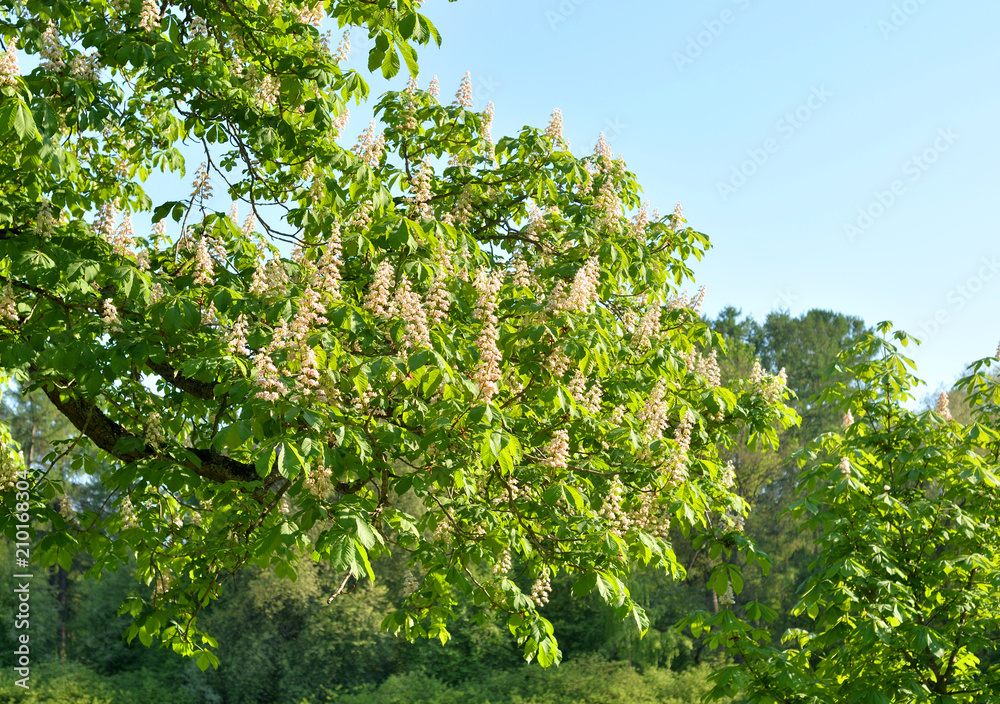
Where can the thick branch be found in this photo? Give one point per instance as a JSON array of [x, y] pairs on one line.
[[198, 389], [105, 433]]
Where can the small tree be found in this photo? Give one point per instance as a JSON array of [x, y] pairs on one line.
[[476, 322], [904, 593]]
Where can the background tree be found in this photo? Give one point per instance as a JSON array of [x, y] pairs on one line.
[[902, 594], [474, 322], [805, 347]]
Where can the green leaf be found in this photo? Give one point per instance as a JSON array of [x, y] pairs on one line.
[[24, 123], [290, 462], [719, 579], [264, 462], [8, 114], [65, 559], [390, 65], [343, 556], [736, 578], [585, 584]]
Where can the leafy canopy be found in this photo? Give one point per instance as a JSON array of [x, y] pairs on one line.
[[903, 593], [473, 328]]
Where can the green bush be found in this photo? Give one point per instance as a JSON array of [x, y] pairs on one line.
[[587, 681], [75, 684]]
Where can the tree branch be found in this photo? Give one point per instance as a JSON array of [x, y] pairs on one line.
[[106, 433], [199, 389]]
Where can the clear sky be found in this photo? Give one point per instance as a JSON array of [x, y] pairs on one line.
[[777, 125]]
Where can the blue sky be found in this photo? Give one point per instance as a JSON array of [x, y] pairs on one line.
[[829, 107], [840, 155]]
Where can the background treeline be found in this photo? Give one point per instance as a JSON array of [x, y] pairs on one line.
[[281, 642]]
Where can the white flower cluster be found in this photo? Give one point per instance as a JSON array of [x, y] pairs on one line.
[[269, 278], [941, 406], [266, 376], [640, 221], [410, 584], [583, 293], [463, 98], [105, 220], [648, 328], [123, 240], [155, 293], [420, 186], [237, 342], [204, 272], [84, 67], [340, 122], [554, 130], [603, 153], [409, 306], [557, 362], [588, 398], [154, 434], [486, 132], [405, 303], [344, 47], [330, 263], [612, 510], [847, 421], [653, 414], [51, 50], [159, 232], [109, 314], [162, 584], [127, 513], [311, 15], [557, 450], [729, 598], [677, 219], [729, 475], [487, 373], [45, 222], [682, 436], [541, 589], [198, 27], [503, 564], [708, 367], [202, 187], [9, 468], [845, 466], [149, 17], [462, 210], [651, 517], [370, 146], [737, 521], [522, 274], [8, 304], [10, 71], [320, 480], [772, 386]]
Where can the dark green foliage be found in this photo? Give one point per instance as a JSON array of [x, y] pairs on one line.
[[587, 681], [281, 643]]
